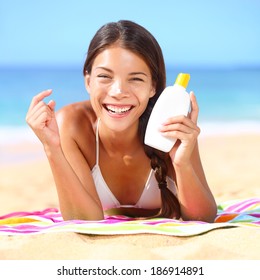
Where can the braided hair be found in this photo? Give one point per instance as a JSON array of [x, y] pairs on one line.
[[170, 207]]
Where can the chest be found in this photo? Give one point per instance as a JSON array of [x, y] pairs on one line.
[[126, 175]]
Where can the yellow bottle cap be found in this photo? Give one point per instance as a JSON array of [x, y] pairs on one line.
[[183, 80]]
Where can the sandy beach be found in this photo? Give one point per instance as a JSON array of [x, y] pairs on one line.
[[231, 164]]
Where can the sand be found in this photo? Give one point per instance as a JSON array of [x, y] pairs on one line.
[[231, 164]]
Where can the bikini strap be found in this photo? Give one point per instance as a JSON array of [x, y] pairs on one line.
[[97, 142]]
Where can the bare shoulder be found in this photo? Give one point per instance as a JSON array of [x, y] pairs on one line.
[[76, 116], [77, 123]]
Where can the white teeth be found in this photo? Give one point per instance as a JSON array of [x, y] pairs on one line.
[[118, 110]]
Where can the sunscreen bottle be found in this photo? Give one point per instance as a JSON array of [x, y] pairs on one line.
[[173, 101]]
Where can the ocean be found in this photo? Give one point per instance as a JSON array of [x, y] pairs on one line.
[[229, 99]]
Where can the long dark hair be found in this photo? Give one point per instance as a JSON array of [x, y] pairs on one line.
[[140, 41]]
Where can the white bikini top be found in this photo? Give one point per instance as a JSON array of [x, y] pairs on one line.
[[149, 199]]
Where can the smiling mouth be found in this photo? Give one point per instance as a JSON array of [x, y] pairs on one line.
[[117, 109]]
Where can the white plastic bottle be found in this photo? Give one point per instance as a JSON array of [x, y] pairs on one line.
[[173, 101]]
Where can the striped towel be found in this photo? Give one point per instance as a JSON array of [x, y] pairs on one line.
[[235, 213]]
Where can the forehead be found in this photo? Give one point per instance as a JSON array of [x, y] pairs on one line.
[[119, 57]]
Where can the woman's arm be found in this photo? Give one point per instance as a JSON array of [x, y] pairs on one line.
[[75, 199], [77, 196], [196, 199]]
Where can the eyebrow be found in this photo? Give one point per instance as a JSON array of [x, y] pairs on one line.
[[103, 68], [138, 73], [132, 73]]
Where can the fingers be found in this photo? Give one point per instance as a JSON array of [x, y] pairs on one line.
[[178, 122], [175, 130], [39, 97], [39, 112], [39, 115], [52, 105], [179, 127], [194, 108]]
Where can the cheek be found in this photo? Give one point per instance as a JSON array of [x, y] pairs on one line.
[[98, 89], [97, 96], [94, 96], [96, 102], [95, 90]]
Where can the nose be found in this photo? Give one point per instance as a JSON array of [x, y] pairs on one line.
[[118, 90]]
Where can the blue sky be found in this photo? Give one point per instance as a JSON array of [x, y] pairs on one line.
[[192, 32]]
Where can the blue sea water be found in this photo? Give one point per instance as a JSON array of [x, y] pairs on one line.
[[224, 95]]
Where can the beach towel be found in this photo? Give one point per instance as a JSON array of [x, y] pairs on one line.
[[235, 213]]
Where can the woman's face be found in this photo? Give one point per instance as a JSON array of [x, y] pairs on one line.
[[120, 85]]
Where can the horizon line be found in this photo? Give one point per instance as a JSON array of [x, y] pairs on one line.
[[168, 66]]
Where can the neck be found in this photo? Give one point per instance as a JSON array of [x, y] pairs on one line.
[[120, 142]]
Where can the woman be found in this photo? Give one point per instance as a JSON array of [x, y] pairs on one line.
[[96, 148]]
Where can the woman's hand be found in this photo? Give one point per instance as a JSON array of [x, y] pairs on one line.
[[185, 129], [41, 118]]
